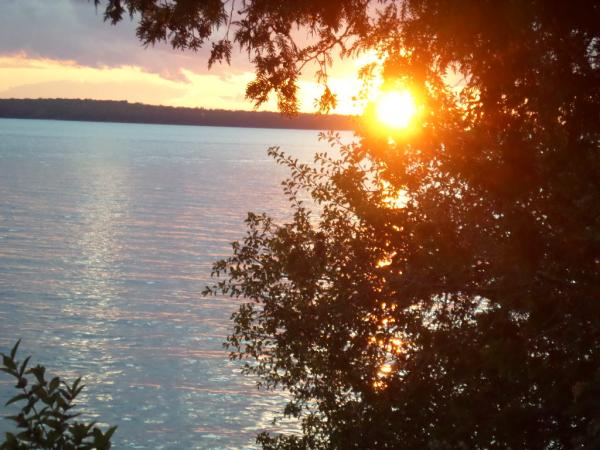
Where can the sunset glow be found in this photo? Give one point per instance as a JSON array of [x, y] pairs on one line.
[[396, 109], [23, 76]]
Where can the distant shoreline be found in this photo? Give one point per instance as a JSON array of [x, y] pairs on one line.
[[125, 112]]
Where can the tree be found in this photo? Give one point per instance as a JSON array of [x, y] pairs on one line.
[[46, 418], [446, 294]]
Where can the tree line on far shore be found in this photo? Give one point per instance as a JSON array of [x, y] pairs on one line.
[[123, 111]]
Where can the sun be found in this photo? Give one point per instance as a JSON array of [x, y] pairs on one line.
[[395, 109]]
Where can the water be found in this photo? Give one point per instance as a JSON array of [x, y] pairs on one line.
[[107, 236]]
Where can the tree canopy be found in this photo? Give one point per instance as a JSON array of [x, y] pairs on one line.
[[444, 292]]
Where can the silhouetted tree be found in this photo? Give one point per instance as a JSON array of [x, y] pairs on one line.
[[446, 295]]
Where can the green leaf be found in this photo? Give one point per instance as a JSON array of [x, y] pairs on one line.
[[39, 373], [11, 440], [110, 432], [54, 384], [9, 363], [16, 398], [24, 366], [13, 352]]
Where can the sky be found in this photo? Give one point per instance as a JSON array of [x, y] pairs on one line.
[[64, 49]]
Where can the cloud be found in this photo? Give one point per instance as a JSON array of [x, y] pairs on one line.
[[63, 48], [72, 30], [24, 77]]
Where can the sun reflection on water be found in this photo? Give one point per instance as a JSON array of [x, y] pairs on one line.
[[392, 344]]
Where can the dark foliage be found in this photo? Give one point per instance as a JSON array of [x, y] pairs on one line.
[[46, 419], [446, 295], [265, 29], [122, 111]]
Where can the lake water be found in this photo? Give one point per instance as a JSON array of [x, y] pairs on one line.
[[107, 235]]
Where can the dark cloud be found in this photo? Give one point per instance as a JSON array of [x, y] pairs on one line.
[[74, 30]]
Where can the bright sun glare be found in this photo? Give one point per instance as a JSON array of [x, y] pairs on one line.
[[396, 109]]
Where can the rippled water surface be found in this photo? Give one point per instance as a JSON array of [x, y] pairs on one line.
[[107, 235]]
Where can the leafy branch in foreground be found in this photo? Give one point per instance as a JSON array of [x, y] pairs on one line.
[[45, 420]]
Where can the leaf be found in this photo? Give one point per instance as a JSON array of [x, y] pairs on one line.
[[110, 432], [16, 398], [9, 363], [11, 441], [24, 366], [13, 352], [54, 384], [38, 372]]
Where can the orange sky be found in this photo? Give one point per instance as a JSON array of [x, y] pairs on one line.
[[35, 77], [63, 49]]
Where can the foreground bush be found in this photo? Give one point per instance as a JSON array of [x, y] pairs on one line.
[[46, 420]]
